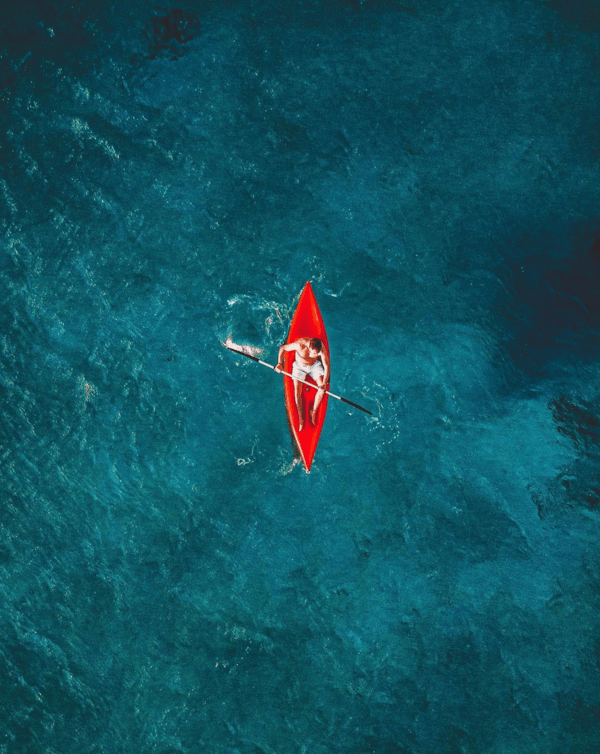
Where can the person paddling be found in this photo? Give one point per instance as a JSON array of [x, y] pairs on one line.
[[311, 360]]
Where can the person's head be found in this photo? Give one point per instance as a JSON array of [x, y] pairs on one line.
[[315, 346]]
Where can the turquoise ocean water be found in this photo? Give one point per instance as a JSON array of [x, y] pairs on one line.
[[171, 176]]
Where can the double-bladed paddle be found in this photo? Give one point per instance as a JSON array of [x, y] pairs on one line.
[[264, 363]]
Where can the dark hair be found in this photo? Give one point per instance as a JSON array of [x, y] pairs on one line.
[[316, 344]]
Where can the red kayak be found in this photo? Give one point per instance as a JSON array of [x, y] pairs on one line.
[[306, 323]]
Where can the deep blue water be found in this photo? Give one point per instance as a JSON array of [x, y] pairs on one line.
[[171, 176]]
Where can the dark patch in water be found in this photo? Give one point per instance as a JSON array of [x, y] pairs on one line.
[[576, 487], [167, 34], [33, 33], [554, 305], [579, 482], [583, 13], [593, 496], [578, 422], [7, 73], [579, 713]]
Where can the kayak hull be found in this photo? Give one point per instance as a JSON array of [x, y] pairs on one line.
[[307, 322]]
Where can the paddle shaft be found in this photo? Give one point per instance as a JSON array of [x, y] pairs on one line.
[[333, 395]]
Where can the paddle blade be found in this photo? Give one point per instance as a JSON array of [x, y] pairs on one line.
[[355, 405], [251, 351]]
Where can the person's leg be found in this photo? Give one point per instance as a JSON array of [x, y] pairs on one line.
[[298, 395], [319, 396]]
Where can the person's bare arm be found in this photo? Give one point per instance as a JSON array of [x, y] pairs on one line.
[[325, 360], [286, 347]]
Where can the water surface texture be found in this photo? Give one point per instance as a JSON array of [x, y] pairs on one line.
[[171, 176]]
